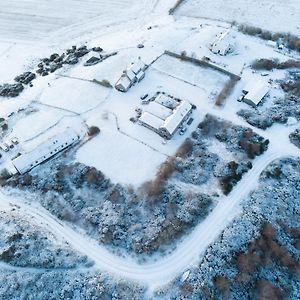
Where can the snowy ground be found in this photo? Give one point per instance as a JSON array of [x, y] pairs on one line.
[[265, 14]]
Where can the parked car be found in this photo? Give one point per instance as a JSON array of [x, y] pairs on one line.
[[183, 130], [144, 96]]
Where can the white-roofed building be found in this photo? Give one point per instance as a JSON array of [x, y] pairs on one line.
[[173, 122], [152, 122], [166, 101], [255, 92], [224, 43], [159, 110], [164, 120], [27, 161], [123, 84]]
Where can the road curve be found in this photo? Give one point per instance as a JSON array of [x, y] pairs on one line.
[[187, 253]]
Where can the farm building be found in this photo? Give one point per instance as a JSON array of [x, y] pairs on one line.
[[173, 122], [135, 73], [27, 161], [123, 84], [255, 92], [165, 120], [224, 43], [151, 122]]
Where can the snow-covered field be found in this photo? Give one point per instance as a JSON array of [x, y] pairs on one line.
[[33, 20], [274, 15]]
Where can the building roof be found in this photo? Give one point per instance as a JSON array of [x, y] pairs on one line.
[[179, 113], [256, 91], [137, 67], [223, 41], [166, 101], [151, 120], [131, 75], [125, 82], [159, 110], [140, 75], [26, 161]]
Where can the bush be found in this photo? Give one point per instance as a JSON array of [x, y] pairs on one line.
[[185, 149], [270, 64], [93, 130], [226, 91], [104, 83]]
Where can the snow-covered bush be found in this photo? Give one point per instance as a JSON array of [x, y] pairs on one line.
[[257, 256]]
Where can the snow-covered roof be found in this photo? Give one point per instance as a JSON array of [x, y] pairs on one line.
[[123, 83], [179, 113], [140, 75], [166, 101], [256, 91], [27, 161], [131, 75], [159, 110], [137, 67], [151, 120], [223, 42]]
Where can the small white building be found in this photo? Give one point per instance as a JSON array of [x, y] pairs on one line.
[[255, 92], [123, 84], [224, 43], [27, 161]]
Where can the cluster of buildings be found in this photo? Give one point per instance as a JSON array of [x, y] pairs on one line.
[[135, 73], [165, 115], [27, 161]]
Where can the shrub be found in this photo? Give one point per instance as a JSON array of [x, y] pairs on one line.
[[104, 83], [223, 285], [226, 91], [185, 149], [93, 130]]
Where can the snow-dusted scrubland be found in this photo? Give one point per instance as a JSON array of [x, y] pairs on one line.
[[65, 284], [265, 14], [257, 256], [25, 244]]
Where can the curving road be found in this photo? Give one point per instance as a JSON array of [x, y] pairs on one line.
[[188, 252]]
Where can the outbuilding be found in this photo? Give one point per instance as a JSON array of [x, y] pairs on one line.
[[224, 43], [255, 92], [27, 161], [174, 121], [123, 84]]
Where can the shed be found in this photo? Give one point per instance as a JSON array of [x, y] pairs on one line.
[[27, 161], [255, 92]]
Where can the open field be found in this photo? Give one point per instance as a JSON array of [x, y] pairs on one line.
[[274, 15], [33, 20]]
